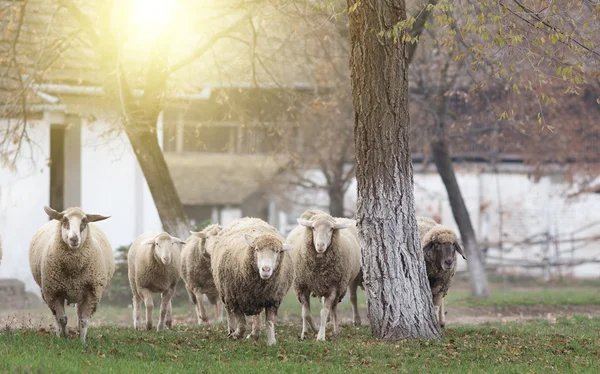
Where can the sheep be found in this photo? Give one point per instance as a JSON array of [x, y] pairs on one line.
[[196, 271], [71, 260], [326, 261], [153, 263], [0, 250], [440, 245], [253, 271], [358, 282]]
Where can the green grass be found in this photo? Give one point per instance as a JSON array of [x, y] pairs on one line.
[[570, 345], [555, 296]]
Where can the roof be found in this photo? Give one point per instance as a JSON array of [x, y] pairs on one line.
[[220, 179]]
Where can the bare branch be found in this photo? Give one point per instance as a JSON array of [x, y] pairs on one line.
[[209, 44]]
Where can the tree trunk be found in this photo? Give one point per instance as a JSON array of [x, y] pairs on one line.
[[398, 292], [155, 170], [443, 163], [336, 193]]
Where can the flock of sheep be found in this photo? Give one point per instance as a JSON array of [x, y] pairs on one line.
[[244, 267]]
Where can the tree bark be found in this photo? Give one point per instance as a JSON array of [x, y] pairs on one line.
[[154, 167], [398, 293], [443, 163]]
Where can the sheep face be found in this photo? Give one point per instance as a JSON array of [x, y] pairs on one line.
[[74, 225], [444, 254], [322, 231], [266, 249], [162, 245]]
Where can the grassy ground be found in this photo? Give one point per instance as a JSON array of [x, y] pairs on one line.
[[569, 345]]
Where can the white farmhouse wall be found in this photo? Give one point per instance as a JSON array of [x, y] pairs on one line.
[[22, 195], [508, 206], [108, 186]]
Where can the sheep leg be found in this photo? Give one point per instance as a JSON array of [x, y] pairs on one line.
[[307, 320], [443, 314], [230, 321], [255, 334], [334, 320], [164, 306], [85, 310], [200, 311], [137, 311], [240, 329], [327, 306], [169, 320], [218, 310], [354, 302], [437, 301], [57, 306], [270, 318], [149, 303]]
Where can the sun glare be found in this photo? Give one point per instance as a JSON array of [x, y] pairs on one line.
[[150, 16]]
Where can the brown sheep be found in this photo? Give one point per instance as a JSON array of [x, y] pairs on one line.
[[440, 245], [253, 271], [197, 274]]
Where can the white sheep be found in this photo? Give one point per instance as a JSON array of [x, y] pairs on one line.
[[196, 271], [71, 260], [440, 245], [326, 262], [154, 263], [253, 271]]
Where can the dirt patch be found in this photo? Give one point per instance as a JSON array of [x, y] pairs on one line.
[[455, 315], [482, 314]]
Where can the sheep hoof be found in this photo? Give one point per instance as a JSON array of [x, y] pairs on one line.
[[321, 338], [357, 322], [169, 324]]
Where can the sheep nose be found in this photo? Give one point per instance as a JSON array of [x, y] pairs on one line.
[[320, 245], [266, 269], [449, 262], [165, 260]]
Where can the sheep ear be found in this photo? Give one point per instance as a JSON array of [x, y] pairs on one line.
[[53, 213], [427, 247], [249, 240], [286, 247], [458, 249], [199, 234], [344, 225], [305, 222], [175, 239], [148, 242], [96, 217]]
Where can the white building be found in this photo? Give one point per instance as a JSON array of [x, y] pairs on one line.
[[519, 223], [71, 164], [73, 161]]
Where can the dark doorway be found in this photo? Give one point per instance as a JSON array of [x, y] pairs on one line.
[[57, 168]]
